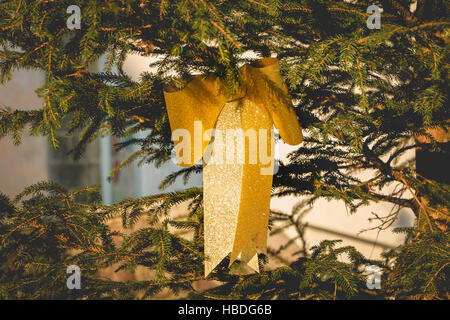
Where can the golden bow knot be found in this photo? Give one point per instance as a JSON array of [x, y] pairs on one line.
[[237, 176]]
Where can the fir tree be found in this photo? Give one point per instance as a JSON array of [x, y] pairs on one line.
[[362, 95]]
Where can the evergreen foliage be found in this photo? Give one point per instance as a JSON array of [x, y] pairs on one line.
[[362, 95]]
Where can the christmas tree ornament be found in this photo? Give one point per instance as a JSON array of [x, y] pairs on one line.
[[234, 136]]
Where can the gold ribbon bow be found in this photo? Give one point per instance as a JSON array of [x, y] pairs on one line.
[[237, 191]]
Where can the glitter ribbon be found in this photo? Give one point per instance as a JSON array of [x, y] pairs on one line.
[[236, 189]]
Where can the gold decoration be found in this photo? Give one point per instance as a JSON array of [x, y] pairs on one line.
[[237, 191]]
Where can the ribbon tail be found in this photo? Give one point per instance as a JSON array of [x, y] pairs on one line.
[[250, 256], [257, 176], [221, 194], [237, 193]]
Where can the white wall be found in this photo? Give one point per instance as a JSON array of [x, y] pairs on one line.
[[25, 164], [150, 177]]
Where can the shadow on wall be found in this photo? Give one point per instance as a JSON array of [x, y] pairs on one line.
[[64, 169]]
